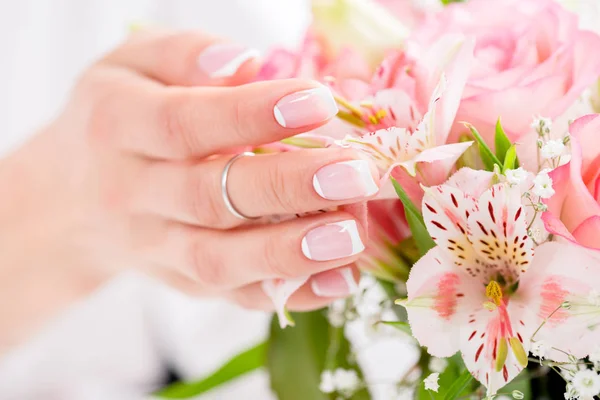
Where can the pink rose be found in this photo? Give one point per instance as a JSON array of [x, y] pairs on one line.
[[574, 211], [530, 59]]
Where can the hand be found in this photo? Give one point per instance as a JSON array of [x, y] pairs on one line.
[[128, 177]]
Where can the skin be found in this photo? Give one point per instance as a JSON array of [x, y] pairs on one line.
[[127, 176]]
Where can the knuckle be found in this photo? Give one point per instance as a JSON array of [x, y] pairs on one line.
[[205, 201], [174, 122], [282, 191], [274, 262], [208, 266]]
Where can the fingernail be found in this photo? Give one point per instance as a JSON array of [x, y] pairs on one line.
[[345, 180], [222, 60], [305, 108], [337, 283], [332, 241]]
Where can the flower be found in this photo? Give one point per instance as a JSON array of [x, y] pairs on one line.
[[437, 364], [552, 149], [482, 290], [574, 211], [542, 125], [542, 185], [539, 349], [586, 383], [397, 127], [341, 380], [279, 291], [529, 53], [362, 24], [516, 176], [431, 382]]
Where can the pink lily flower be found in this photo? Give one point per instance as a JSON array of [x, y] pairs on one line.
[[483, 292]]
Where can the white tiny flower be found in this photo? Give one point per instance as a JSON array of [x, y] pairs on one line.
[[586, 383], [542, 125], [595, 355], [516, 176], [406, 393], [327, 384], [437, 364], [413, 376], [502, 397], [571, 393], [517, 394], [431, 382], [552, 149], [346, 381], [539, 348], [593, 298], [542, 185]]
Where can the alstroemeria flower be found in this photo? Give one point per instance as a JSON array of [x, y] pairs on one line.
[[396, 128], [483, 292], [279, 291]]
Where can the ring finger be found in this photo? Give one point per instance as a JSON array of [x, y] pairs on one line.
[[283, 183]]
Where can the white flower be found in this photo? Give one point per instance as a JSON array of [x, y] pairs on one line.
[[539, 349], [336, 314], [516, 176], [586, 383], [542, 125], [327, 384], [346, 381], [543, 185], [431, 382], [406, 393], [595, 355], [552, 149], [571, 393], [437, 364]]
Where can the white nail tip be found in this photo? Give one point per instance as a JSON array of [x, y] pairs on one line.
[[349, 279], [352, 229], [315, 289], [305, 249], [231, 67], [364, 171], [279, 117]]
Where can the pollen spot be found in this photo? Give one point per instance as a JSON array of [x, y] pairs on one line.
[[439, 225], [479, 350], [472, 335], [430, 208]]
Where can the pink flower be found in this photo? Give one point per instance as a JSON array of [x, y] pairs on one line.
[[574, 211], [483, 292], [387, 229], [404, 119], [313, 61], [530, 59]]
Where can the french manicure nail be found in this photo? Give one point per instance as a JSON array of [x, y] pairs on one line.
[[305, 108], [337, 283], [345, 180], [222, 60], [332, 241]]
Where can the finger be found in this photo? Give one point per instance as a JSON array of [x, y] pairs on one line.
[[320, 290], [186, 122], [186, 58], [283, 183], [229, 259]]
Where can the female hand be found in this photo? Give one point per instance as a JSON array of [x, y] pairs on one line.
[[128, 177]]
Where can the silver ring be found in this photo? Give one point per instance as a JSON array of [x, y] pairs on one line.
[[225, 193]]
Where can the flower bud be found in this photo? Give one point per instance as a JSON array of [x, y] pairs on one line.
[[516, 394]]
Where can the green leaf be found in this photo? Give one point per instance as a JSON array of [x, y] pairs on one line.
[[510, 159], [401, 326], [459, 385], [415, 221], [487, 156], [522, 383], [296, 357], [241, 364], [502, 142]]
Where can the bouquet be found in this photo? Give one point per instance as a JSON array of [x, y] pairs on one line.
[[484, 253]]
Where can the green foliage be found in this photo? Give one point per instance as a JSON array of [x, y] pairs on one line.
[[510, 160], [487, 155], [297, 357], [446, 2], [455, 382], [401, 326], [419, 232], [522, 383], [501, 141], [239, 365]]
